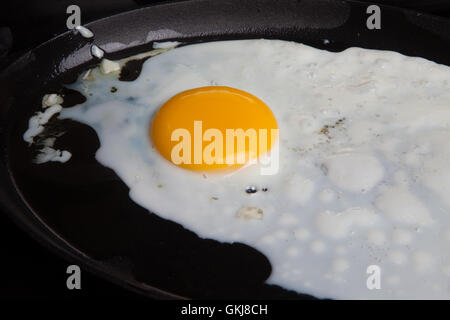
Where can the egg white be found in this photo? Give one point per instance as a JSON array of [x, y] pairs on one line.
[[364, 162]]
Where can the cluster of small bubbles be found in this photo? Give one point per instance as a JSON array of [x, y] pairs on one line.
[[254, 189]]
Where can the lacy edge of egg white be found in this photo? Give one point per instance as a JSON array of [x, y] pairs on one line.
[[364, 164]]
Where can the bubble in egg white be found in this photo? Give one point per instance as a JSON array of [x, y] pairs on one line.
[[397, 257], [292, 251], [317, 246], [302, 233], [377, 237], [354, 172], [402, 236], [424, 262], [340, 265], [327, 195], [403, 207]]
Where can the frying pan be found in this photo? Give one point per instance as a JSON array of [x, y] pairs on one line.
[[82, 211]]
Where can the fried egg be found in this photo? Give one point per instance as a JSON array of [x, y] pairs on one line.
[[363, 178]]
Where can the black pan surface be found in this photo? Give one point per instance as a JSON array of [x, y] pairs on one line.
[[82, 209]]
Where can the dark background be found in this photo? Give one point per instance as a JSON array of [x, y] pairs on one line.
[[27, 270]]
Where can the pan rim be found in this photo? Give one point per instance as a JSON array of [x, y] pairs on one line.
[[46, 236]]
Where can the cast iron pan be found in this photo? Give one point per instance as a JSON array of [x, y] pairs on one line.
[[82, 209]]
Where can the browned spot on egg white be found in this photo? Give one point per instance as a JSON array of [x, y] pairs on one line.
[[326, 128]]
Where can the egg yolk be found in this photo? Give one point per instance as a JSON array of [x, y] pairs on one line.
[[212, 128]]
